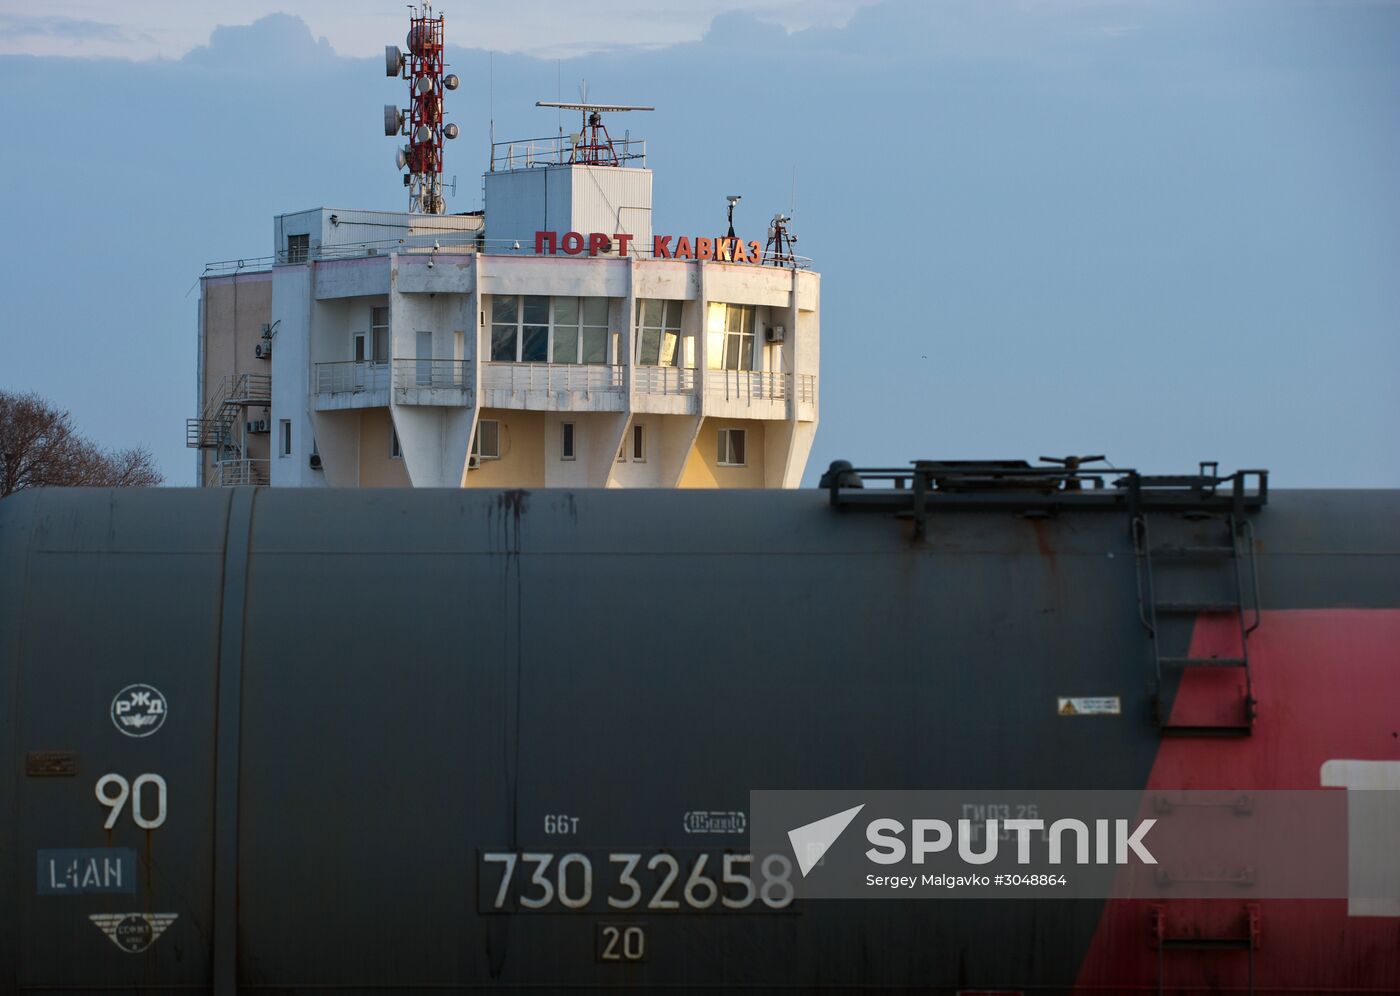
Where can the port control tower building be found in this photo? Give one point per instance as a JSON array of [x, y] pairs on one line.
[[557, 338]]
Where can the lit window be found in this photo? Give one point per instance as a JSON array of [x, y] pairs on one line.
[[731, 447], [729, 336], [659, 341], [639, 449], [284, 436], [535, 329], [487, 444], [566, 442]]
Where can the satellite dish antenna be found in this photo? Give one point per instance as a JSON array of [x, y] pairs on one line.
[[401, 157], [450, 131], [393, 119]]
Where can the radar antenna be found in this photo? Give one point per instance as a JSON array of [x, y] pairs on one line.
[[592, 145]]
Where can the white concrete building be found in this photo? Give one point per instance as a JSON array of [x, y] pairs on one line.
[[552, 340]]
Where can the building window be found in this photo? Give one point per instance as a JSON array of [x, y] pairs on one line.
[[486, 445], [566, 441], [298, 248], [395, 451], [639, 444], [535, 329], [284, 437], [729, 336], [379, 332], [659, 341], [731, 447]]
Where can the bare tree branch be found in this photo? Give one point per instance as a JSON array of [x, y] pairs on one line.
[[40, 448]]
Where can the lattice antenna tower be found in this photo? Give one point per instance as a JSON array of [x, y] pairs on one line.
[[422, 123]]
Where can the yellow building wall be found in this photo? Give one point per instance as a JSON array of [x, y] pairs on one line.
[[521, 464], [702, 469], [235, 310], [378, 469]]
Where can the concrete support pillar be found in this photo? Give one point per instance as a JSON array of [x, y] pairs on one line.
[[338, 442], [435, 442], [678, 436]]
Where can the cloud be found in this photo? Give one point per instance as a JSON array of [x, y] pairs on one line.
[[30, 26], [275, 40], [737, 29]]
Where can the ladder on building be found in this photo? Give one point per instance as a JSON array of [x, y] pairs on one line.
[[1197, 564]]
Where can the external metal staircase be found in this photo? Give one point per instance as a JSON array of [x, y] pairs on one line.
[[221, 428], [224, 411]]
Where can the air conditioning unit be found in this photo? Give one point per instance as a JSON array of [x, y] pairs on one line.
[[315, 461], [773, 333], [257, 425], [263, 351], [473, 462]]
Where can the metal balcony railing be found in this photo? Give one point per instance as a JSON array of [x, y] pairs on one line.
[[449, 374], [747, 385], [230, 473], [807, 388], [551, 377], [349, 377], [664, 380]]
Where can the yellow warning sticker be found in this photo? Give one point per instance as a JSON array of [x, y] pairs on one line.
[[1103, 705]]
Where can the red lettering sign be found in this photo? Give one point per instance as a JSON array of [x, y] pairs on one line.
[[722, 249]]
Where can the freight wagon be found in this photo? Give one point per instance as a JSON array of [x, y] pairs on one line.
[[357, 741]]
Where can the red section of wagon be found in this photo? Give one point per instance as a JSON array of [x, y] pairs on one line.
[[1328, 686]]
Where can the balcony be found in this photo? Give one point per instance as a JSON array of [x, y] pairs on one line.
[[350, 384], [747, 393], [433, 382], [665, 390], [552, 386]]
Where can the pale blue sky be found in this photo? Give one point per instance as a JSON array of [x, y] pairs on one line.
[[1165, 231]]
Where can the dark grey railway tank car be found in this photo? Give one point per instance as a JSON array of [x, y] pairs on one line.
[[330, 741]]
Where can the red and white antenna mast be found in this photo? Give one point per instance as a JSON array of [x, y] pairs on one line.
[[422, 122]]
